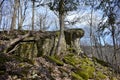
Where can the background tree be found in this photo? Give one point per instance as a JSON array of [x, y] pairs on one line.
[[33, 13], [111, 9], [42, 22], [1, 3], [23, 6], [14, 16]]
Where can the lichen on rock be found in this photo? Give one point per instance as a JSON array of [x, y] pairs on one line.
[[46, 44]]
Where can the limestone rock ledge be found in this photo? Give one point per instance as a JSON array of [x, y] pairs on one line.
[[72, 39], [42, 43]]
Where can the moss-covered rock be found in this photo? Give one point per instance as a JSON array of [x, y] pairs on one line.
[[85, 67], [114, 78], [87, 71], [71, 59], [27, 50], [40, 43], [76, 76], [55, 60], [72, 37], [100, 76]]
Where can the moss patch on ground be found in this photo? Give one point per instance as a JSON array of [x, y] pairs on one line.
[[55, 60], [76, 76], [84, 68], [71, 59], [100, 75]]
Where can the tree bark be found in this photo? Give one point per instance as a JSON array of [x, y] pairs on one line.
[[13, 23], [1, 3], [61, 23], [33, 9], [22, 13]]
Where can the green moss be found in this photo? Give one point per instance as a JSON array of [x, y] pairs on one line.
[[74, 60], [27, 49], [71, 59], [57, 33], [70, 55], [55, 60], [100, 76], [87, 70], [114, 78], [83, 74], [76, 76], [87, 61], [85, 67], [63, 70], [21, 65]]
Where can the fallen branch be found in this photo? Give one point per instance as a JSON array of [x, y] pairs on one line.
[[16, 46], [6, 47]]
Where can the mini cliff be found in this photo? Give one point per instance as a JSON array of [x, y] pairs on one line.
[[34, 44]]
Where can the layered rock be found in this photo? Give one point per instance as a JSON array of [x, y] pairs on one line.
[[47, 45], [39, 43]]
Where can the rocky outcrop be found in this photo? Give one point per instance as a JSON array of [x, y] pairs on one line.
[[39, 43], [72, 39]]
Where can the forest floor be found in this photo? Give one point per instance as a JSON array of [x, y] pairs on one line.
[[67, 67]]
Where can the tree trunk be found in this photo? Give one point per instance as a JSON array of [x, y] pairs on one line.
[[114, 45], [22, 13], [1, 3], [61, 39], [33, 9], [1, 10], [13, 23]]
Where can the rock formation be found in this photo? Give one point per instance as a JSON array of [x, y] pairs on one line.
[[37, 43]]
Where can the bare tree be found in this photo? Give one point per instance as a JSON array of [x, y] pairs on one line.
[[1, 3], [61, 20], [33, 13], [22, 13], [14, 16], [43, 22]]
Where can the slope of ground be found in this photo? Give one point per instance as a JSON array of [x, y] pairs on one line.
[[68, 67]]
